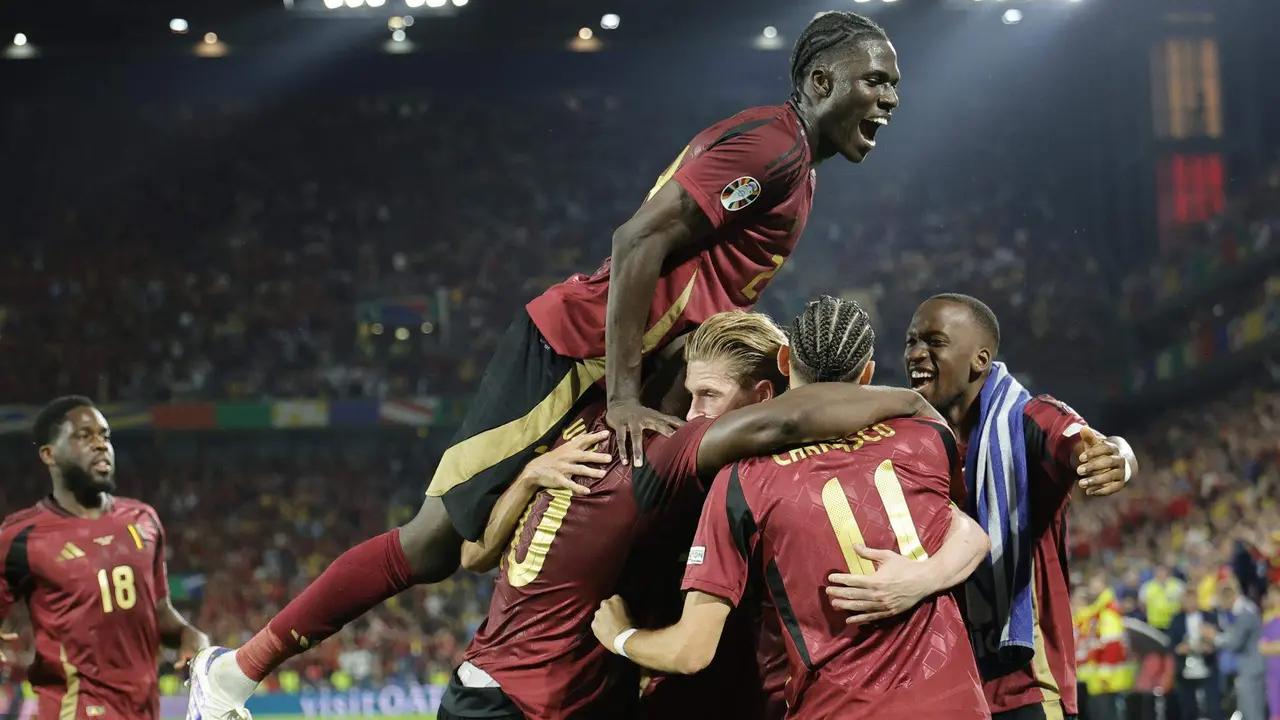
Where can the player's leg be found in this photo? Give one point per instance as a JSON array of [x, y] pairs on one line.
[[467, 703], [527, 393], [1039, 711]]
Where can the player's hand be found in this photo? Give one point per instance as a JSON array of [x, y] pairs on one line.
[[897, 585], [610, 620], [193, 641], [1102, 464], [555, 469], [6, 638], [629, 419]]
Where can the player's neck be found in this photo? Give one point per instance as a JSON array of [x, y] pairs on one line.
[[809, 121], [90, 504], [964, 414]]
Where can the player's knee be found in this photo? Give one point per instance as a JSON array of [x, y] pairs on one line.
[[430, 543]]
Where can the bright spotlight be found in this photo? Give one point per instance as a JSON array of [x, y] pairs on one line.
[[402, 333], [862, 1], [19, 40], [436, 3], [398, 36], [1012, 16], [770, 32], [610, 21], [179, 26], [408, 21], [891, 0], [376, 3], [333, 4], [210, 38], [585, 34], [413, 3], [459, 3], [354, 3]]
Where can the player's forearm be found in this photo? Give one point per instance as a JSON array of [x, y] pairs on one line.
[[484, 555], [172, 626], [676, 649], [962, 551], [806, 414], [635, 267]]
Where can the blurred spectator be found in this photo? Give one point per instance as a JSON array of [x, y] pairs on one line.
[[1197, 683]]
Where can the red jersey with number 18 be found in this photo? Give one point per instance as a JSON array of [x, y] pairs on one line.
[[750, 174], [798, 515], [91, 586]]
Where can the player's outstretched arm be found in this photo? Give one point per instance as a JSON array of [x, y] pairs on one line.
[[667, 222], [812, 413], [1107, 464], [685, 648], [553, 470], [899, 583]]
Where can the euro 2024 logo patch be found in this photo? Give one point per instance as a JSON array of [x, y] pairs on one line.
[[740, 193]]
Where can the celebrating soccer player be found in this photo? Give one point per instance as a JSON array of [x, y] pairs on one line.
[[1023, 455], [531, 658], [90, 567], [794, 517], [712, 233]]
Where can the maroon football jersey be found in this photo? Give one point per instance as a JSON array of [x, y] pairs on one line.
[[750, 174], [568, 555], [796, 517], [1051, 429], [91, 587]]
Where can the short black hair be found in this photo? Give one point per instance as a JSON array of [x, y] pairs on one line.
[[831, 340], [982, 314], [49, 420], [828, 31]]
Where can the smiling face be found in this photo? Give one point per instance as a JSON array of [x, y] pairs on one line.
[[856, 93], [946, 352], [82, 452]]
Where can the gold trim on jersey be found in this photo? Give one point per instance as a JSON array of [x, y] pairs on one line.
[[137, 539], [69, 552], [71, 698], [482, 451], [1050, 691]]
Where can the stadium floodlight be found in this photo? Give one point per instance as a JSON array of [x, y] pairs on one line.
[[862, 1], [459, 3], [354, 3], [210, 38], [1012, 16], [398, 36], [413, 3], [333, 4], [179, 26], [610, 21], [891, 0], [376, 3], [770, 32], [585, 33], [436, 3], [19, 40], [408, 21]]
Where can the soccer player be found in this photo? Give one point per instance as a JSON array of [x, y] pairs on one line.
[[797, 515], [1026, 653], [710, 235], [531, 657], [90, 567]]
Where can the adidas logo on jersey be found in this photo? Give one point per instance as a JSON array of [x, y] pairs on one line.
[[69, 552]]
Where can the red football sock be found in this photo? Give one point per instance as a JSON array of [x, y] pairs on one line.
[[361, 578]]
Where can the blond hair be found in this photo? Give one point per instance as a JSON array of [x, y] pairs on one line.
[[746, 342]]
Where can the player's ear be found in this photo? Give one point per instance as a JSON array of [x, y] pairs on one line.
[[763, 390], [867, 373], [981, 361], [784, 361], [46, 455], [822, 82]]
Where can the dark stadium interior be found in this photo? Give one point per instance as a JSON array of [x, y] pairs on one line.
[[281, 271]]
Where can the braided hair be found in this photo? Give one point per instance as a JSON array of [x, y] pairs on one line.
[[831, 341], [827, 31]]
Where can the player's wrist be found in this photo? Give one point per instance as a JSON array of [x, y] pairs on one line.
[[620, 642]]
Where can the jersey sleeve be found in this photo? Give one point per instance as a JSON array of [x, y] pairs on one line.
[[726, 538], [161, 569], [748, 169], [16, 576], [1052, 431], [946, 442], [675, 458]]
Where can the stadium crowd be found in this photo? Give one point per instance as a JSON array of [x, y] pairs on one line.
[[259, 261]]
